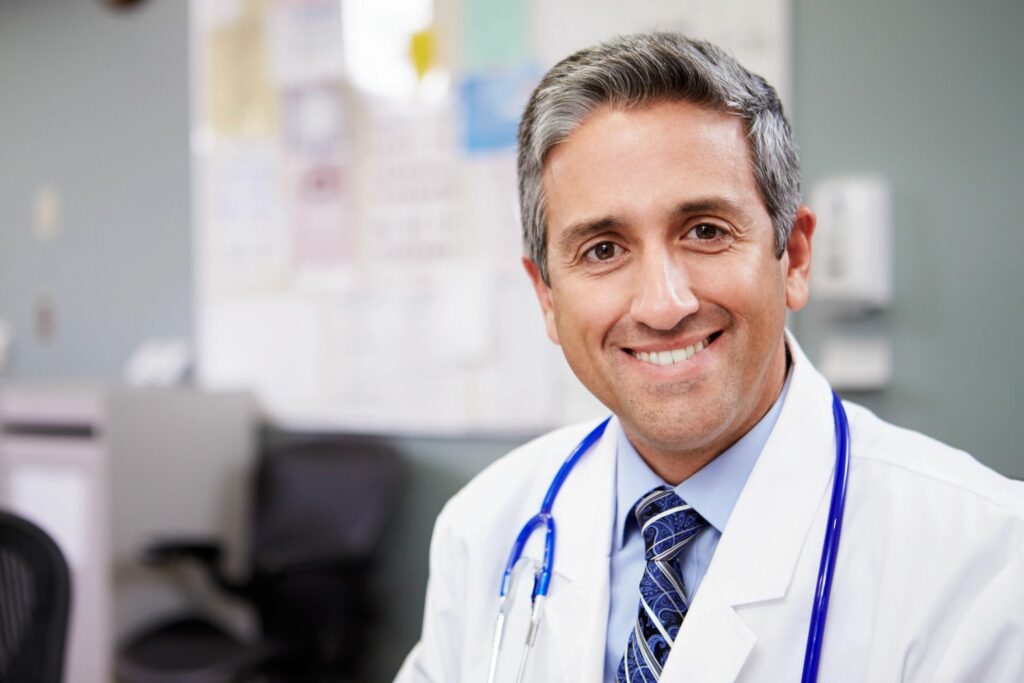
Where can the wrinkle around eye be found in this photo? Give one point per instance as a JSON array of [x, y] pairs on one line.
[[589, 255], [722, 238], [721, 231]]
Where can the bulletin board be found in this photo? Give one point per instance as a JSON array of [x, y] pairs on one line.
[[357, 233]]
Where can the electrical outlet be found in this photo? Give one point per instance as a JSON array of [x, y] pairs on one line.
[[45, 316], [47, 214]]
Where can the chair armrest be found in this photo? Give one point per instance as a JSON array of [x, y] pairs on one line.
[[292, 566], [163, 551], [206, 553]]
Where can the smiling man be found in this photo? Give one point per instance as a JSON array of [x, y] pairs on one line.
[[665, 240]]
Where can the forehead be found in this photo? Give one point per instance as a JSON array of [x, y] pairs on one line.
[[624, 161]]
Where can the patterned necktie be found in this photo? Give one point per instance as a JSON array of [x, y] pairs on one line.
[[667, 524]]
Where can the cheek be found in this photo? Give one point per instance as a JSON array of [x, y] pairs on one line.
[[737, 282], [753, 290], [763, 284], [583, 316]]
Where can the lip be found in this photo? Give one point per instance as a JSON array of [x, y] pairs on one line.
[[657, 347], [685, 366]]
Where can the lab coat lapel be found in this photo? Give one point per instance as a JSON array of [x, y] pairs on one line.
[[765, 535], [576, 613]]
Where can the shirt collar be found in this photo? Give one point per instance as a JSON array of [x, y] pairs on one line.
[[712, 491]]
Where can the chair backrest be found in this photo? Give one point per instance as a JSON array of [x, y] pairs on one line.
[[34, 602], [320, 501], [321, 508]]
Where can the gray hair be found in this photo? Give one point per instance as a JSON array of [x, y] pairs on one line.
[[643, 69]]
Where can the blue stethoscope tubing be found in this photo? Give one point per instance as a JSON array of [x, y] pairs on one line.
[[542, 579], [833, 530], [544, 518]]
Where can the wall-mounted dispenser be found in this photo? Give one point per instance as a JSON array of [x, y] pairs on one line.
[[852, 280], [852, 255]]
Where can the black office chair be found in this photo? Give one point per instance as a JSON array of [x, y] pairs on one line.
[[320, 509], [35, 593]]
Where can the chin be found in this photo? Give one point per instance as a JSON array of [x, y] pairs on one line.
[[670, 432]]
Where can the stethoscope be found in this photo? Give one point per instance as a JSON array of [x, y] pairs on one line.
[[542, 578]]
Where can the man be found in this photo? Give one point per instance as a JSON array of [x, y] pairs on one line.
[[660, 188]]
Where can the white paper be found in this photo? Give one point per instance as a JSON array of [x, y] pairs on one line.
[[267, 343], [755, 32], [306, 41]]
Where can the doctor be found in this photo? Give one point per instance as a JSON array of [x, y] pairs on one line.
[[659, 187]]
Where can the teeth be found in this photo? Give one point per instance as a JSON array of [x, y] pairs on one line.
[[673, 356]]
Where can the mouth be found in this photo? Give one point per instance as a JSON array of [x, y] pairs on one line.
[[673, 356]]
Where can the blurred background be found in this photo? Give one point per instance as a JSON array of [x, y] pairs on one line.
[[236, 230]]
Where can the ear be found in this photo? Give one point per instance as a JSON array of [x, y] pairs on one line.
[[798, 253], [543, 296]]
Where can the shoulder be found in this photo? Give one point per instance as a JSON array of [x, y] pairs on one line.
[[920, 463], [935, 550]]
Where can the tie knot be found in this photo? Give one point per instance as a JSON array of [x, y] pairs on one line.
[[667, 523]]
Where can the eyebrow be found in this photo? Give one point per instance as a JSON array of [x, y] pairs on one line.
[[716, 204], [577, 233]]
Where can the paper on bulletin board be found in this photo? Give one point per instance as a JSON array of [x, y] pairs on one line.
[[269, 343], [515, 389], [409, 345], [246, 236], [497, 34], [408, 182], [315, 123], [237, 93], [490, 210], [319, 185], [492, 102], [306, 41], [322, 233], [756, 32]]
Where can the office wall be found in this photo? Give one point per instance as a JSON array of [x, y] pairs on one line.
[[94, 103], [926, 93], [929, 94]]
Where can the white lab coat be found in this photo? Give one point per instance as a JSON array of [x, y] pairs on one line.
[[929, 583]]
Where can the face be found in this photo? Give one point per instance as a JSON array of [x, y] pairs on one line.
[[666, 294]]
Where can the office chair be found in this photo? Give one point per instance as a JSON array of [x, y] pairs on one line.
[[320, 509], [35, 593]]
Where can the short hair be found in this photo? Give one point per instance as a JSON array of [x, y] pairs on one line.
[[644, 69]]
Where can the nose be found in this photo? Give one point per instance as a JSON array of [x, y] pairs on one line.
[[663, 295]]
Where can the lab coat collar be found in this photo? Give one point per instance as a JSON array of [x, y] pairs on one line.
[[761, 544]]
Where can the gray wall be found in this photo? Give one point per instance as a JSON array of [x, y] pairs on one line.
[[930, 93], [94, 103], [927, 93]]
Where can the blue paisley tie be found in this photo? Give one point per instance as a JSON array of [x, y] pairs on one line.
[[668, 524]]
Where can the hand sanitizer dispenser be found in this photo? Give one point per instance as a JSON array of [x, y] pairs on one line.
[[852, 256]]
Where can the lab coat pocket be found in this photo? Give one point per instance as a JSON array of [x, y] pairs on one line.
[[544, 662]]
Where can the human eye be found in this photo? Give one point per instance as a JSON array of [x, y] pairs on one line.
[[708, 236], [707, 232], [602, 251]]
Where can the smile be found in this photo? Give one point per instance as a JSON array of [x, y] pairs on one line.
[[671, 356]]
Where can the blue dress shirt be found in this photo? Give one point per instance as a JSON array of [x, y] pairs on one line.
[[712, 491]]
